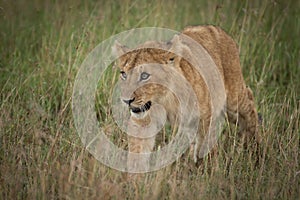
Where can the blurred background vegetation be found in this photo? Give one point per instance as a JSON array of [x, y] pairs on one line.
[[43, 43]]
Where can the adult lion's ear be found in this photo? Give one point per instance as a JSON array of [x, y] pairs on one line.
[[118, 49]]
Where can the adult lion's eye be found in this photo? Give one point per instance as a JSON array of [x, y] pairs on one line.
[[145, 76], [123, 75]]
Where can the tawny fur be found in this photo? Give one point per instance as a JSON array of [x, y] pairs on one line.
[[240, 105]]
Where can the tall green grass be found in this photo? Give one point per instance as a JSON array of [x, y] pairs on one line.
[[43, 43]]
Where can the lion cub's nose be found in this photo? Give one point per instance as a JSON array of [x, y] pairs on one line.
[[129, 101]]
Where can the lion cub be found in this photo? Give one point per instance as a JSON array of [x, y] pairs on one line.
[[238, 99]]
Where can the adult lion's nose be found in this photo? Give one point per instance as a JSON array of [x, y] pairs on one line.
[[128, 101]]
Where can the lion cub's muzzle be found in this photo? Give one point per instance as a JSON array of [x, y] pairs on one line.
[[142, 108]]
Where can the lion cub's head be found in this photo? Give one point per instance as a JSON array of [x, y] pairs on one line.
[[143, 72]]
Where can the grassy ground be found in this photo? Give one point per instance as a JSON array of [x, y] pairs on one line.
[[42, 45]]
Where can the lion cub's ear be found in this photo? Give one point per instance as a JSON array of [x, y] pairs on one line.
[[118, 49], [177, 45], [176, 49]]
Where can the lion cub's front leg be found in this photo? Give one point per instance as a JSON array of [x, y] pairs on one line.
[[138, 146]]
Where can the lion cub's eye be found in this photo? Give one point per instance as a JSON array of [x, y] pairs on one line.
[[144, 76], [123, 75]]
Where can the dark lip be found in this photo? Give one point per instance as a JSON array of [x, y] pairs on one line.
[[142, 108]]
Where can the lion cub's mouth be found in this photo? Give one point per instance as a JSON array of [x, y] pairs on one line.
[[142, 108]]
